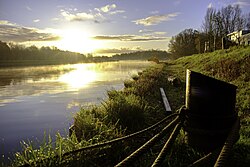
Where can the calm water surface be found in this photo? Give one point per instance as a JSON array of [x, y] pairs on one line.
[[38, 99]]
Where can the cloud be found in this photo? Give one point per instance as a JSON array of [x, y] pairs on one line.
[[7, 23], [148, 32], [117, 11], [96, 15], [28, 8], [159, 33], [82, 16], [145, 31], [108, 8], [156, 19], [130, 38], [154, 12], [77, 16], [11, 32], [36, 20], [55, 19]]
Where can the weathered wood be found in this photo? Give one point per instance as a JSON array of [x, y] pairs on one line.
[[165, 101]]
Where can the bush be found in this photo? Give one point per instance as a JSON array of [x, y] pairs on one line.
[[129, 111], [89, 125]]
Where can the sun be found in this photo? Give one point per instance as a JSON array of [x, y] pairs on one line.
[[77, 40]]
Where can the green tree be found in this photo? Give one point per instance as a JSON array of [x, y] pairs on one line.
[[184, 43]]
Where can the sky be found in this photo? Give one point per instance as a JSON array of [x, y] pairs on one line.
[[103, 27]]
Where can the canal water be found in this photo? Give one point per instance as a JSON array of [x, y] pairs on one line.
[[34, 100]]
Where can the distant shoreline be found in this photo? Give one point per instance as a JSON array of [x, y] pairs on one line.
[[27, 63]]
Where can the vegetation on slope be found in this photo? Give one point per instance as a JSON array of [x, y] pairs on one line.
[[139, 105], [233, 66]]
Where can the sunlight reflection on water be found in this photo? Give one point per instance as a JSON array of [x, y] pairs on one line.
[[80, 77]]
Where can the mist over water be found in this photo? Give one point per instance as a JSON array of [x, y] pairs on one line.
[[44, 98]]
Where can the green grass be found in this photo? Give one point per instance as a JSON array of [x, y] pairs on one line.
[[140, 105], [233, 66]]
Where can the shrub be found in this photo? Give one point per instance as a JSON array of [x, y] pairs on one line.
[[89, 125], [129, 111]]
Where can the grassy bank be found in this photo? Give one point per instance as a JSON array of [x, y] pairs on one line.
[[138, 106], [233, 66]]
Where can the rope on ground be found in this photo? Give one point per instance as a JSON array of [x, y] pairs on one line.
[[99, 145], [231, 139], [148, 144], [122, 138], [160, 158]]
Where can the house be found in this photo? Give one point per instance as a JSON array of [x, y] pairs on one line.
[[245, 39], [241, 37]]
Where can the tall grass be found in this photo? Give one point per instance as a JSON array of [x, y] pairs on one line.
[[46, 152], [91, 125], [129, 111]]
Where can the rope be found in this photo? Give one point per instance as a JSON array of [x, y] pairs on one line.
[[207, 160], [231, 139], [99, 145], [219, 154], [160, 158], [148, 144], [122, 138]]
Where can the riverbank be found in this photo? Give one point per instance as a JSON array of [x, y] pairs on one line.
[[139, 105]]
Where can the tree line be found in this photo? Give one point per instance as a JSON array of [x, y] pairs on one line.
[[19, 55], [10, 52], [142, 55], [215, 27]]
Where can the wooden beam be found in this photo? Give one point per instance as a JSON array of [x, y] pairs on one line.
[[165, 101]]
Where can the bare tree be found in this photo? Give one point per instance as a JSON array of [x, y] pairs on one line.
[[218, 23], [247, 18]]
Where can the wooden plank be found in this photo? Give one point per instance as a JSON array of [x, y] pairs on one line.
[[165, 101]]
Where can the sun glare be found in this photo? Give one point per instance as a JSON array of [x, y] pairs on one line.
[[77, 41], [81, 77]]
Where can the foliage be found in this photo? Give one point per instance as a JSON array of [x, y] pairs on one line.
[[90, 125], [17, 52], [183, 44], [142, 55], [43, 153], [128, 111]]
